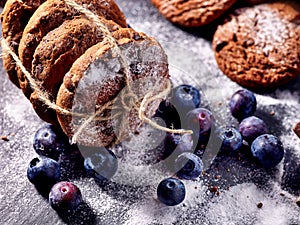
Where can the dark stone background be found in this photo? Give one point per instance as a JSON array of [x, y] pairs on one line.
[[241, 183]]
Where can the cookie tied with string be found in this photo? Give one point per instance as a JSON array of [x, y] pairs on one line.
[[55, 55], [51, 15], [105, 87], [101, 81], [14, 18]]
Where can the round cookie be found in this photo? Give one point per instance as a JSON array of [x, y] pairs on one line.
[[14, 18], [56, 53], [98, 75], [259, 46], [192, 13], [51, 15]]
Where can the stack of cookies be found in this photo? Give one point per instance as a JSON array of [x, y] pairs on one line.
[[81, 64]]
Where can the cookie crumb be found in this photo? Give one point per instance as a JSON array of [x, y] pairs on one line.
[[4, 138], [272, 113], [296, 129], [298, 201], [214, 189], [282, 194], [259, 205]]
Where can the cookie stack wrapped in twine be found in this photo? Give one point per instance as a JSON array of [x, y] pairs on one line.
[[141, 108]]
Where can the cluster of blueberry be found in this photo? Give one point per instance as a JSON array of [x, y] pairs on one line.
[[51, 171], [184, 103], [181, 110], [266, 148], [47, 171]]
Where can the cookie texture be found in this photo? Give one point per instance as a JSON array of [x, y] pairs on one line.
[[192, 13], [57, 52], [14, 18], [99, 76], [51, 15], [258, 47]]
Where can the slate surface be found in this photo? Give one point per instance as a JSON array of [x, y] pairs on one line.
[[241, 183]]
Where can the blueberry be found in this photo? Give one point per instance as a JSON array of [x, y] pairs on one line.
[[169, 114], [200, 121], [100, 163], [252, 127], [181, 100], [171, 191], [182, 143], [65, 196], [231, 140], [268, 150], [43, 172], [49, 141], [242, 104], [185, 98], [188, 166]]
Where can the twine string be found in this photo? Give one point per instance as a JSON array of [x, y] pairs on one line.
[[115, 51], [146, 101], [141, 108], [91, 118], [108, 35], [43, 95]]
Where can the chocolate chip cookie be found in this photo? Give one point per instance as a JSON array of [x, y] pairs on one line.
[[14, 18], [192, 13], [258, 47], [56, 53], [49, 16], [99, 76]]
